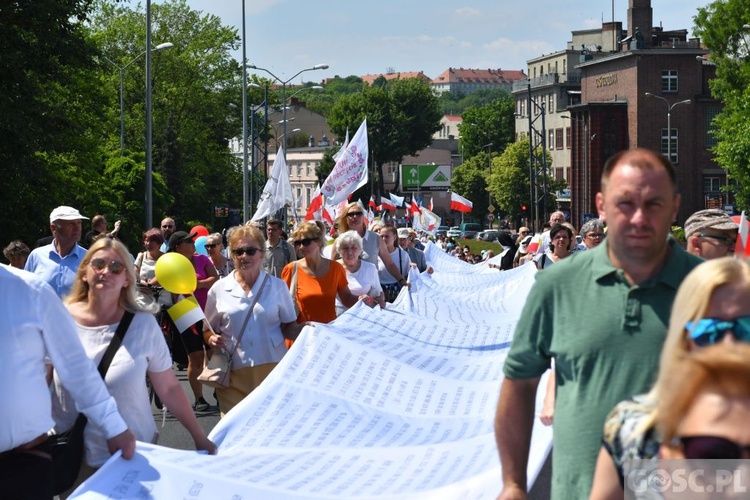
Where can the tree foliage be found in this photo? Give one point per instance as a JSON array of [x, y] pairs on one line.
[[509, 182], [721, 27], [455, 103], [470, 181], [401, 118], [488, 123]]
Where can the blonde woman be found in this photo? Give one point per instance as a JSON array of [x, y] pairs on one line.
[[319, 280], [712, 306], [261, 346], [214, 246], [352, 218], [103, 290]]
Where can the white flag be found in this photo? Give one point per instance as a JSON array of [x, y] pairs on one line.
[[341, 151], [350, 172], [397, 200], [426, 221], [278, 190]]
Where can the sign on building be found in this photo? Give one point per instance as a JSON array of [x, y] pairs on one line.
[[425, 177]]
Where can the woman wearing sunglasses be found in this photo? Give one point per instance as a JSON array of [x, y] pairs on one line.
[[373, 246], [712, 306], [214, 246], [104, 289], [318, 280], [266, 325]]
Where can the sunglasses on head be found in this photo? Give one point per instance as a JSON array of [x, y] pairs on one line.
[[115, 267], [712, 447], [240, 251], [303, 242], [354, 214], [708, 331]]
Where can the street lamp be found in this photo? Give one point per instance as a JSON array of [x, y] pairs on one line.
[[669, 118], [121, 69], [283, 88], [489, 195]]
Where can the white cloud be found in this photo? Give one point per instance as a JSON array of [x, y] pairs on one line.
[[468, 12]]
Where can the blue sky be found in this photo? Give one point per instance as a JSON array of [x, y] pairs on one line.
[[360, 37]]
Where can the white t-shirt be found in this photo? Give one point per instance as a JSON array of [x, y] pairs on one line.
[[143, 350], [399, 257], [147, 272], [364, 280], [227, 306]]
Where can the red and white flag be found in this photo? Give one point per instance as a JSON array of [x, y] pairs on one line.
[[370, 214], [372, 203], [414, 208], [460, 203], [431, 207], [387, 204], [350, 171], [742, 247], [316, 203]]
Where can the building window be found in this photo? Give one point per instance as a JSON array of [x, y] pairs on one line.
[[299, 170], [665, 146], [559, 138], [711, 185], [669, 81], [307, 170], [711, 139], [551, 139], [568, 137], [551, 107], [559, 173]]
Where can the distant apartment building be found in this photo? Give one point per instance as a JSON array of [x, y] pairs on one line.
[[466, 81], [449, 127], [595, 104], [370, 79]]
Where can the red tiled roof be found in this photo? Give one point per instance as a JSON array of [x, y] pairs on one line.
[[368, 79], [489, 76]]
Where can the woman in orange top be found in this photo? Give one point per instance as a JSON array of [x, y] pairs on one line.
[[318, 279]]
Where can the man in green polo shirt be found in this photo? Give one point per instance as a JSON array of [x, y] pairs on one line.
[[602, 315]]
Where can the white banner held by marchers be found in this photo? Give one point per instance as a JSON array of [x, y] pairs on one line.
[[278, 189], [350, 171]]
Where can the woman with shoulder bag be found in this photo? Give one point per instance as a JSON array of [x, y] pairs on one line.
[[102, 293], [391, 285], [251, 298]]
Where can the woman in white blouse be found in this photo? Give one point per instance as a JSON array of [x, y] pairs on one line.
[[103, 290], [362, 276], [272, 317]]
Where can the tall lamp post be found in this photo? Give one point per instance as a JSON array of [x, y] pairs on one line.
[[489, 195], [670, 107], [284, 83], [122, 69]]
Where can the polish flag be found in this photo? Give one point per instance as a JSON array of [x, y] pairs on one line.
[[387, 204], [742, 247], [414, 209], [431, 208], [534, 244], [372, 203], [315, 205], [460, 203]]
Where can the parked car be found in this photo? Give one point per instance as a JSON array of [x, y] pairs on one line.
[[454, 232], [469, 235], [488, 235], [442, 231]]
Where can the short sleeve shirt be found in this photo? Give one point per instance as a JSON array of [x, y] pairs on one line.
[[605, 336]]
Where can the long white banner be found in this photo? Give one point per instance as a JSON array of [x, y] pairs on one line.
[[394, 403]]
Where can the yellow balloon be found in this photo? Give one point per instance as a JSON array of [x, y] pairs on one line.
[[176, 273]]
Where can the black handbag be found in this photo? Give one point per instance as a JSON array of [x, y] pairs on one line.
[[67, 448]]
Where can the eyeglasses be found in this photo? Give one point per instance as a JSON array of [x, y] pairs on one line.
[[712, 447], [115, 267], [724, 240], [303, 242], [595, 235], [240, 251], [210, 246], [352, 215], [708, 331]]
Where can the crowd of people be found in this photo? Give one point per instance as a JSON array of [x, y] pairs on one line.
[[599, 314]]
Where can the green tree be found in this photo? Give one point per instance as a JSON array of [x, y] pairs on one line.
[[401, 118], [470, 181], [488, 123], [193, 85], [720, 25]]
